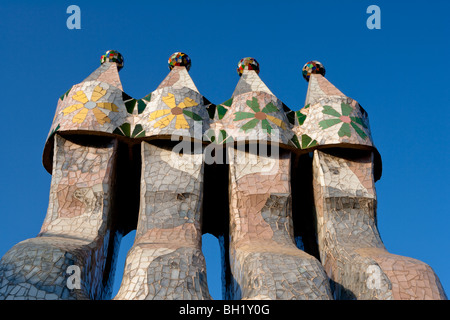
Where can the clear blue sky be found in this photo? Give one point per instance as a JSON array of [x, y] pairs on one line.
[[399, 74]]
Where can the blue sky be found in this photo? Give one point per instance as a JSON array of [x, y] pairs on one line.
[[398, 74]]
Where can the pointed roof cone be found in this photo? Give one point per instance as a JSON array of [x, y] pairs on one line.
[[248, 70], [318, 86], [108, 72], [253, 113], [94, 106], [176, 107], [330, 118], [178, 77]]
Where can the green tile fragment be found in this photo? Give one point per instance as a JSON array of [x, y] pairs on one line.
[[324, 124], [65, 94], [141, 106], [346, 109], [307, 141], [270, 107], [126, 129], [224, 137], [358, 130], [253, 104], [130, 105], [192, 115], [147, 97], [118, 132], [359, 121], [345, 130], [138, 132], [301, 118], [240, 115], [330, 111], [228, 103], [294, 140], [221, 111], [266, 126], [250, 125]]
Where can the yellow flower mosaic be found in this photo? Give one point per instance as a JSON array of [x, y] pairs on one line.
[[174, 111], [92, 105]]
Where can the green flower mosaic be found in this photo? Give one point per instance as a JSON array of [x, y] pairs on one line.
[[222, 109], [258, 116], [125, 130], [220, 138], [138, 104], [345, 119], [301, 117], [304, 142]]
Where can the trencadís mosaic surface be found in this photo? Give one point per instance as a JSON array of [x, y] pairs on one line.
[[290, 194]]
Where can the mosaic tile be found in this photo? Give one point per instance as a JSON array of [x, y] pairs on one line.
[[351, 249], [112, 56], [166, 261], [265, 260], [75, 231], [179, 59], [176, 106], [104, 144], [312, 67], [247, 64], [253, 113]]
